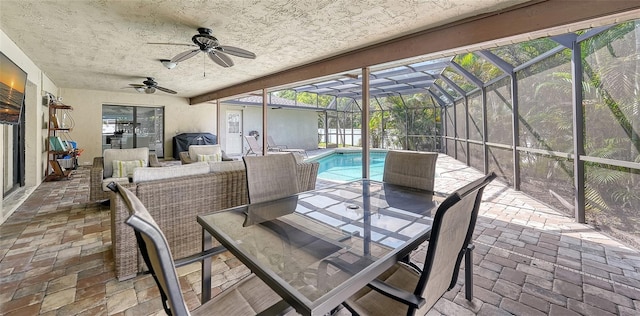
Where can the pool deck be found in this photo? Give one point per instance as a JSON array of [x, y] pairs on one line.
[[55, 259]]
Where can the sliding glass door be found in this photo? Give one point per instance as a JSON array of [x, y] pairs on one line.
[[13, 156], [133, 127]]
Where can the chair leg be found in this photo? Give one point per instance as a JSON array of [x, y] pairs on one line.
[[207, 242], [468, 272]]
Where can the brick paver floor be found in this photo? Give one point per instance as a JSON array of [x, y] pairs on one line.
[[56, 259]]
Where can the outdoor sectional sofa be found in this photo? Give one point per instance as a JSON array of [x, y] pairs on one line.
[[174, 202]]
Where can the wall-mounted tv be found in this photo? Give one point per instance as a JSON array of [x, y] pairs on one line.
[[12, 83]]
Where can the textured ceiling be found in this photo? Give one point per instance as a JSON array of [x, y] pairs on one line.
[[104, 45]]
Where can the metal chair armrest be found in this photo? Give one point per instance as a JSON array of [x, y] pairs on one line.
[[199, 256], [397, 294]]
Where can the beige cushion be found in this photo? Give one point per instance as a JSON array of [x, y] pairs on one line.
[[219, 166], [150, 174], [125, 168], [410, 169], [209, 157], [106, 182], [270, 177], [122, 154], [195, 150]]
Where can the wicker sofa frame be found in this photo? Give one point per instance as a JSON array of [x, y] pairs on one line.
[[174, 204]]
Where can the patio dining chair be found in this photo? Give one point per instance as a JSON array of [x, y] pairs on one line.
[[271, 177], [250, 296], [410, 169], [404, 290]]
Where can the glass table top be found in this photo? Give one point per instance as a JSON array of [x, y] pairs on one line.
[[314, 245]]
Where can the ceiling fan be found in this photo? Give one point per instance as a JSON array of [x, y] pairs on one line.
[[210, 45], [150, 86]]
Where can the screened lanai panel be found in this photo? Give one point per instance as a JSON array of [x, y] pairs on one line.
[[475, 116], [451, 147], [501, 162], [548, 179], [476, 156], [421, 127], [612, 128], [451, 129], [499, 113], [545, 104], [520, 53], [447, 87], [333, 129], [613, 200], [341, 104], [438, 131], [478, 66], [461, 115], [459, 80], [461, 150], [612, 102], [440, 95]]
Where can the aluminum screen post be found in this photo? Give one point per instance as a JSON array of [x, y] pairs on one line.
[[365, 122]]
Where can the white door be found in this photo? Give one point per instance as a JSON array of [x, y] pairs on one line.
[[234, 132]]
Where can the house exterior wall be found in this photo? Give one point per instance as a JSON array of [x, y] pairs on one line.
[[290, 127], [179, 117]]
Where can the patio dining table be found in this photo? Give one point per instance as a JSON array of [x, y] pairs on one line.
[[317, 248]]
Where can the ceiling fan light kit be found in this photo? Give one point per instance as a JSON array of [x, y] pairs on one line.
[[168, 63]]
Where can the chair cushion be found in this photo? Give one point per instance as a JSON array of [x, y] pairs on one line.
[[125, 168], [123, 155], [369, 302], [106, 182], [150, 174], [410, 169], [195, 150], [247, 297], [220, 166], [209, 157]]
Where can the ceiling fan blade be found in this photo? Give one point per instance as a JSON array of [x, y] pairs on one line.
[[220, 58], [165, 90], [136, 85], [235, 51], [184, 55], [175, 44]]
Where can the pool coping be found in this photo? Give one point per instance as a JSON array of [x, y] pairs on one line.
[[343, 150]]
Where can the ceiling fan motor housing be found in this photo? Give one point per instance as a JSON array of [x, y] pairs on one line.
[[150, 82], [205, 41]]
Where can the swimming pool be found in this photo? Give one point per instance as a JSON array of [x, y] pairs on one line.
[[346, 166]]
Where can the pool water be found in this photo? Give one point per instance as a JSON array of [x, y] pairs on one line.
[[348, 166]]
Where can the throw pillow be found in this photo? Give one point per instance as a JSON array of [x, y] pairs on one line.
[[125, 168], [214, 157], [195, 150]]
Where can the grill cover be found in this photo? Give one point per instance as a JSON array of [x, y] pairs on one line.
[[181, 142]]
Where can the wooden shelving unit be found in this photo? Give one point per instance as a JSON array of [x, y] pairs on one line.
[[58, 148]]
